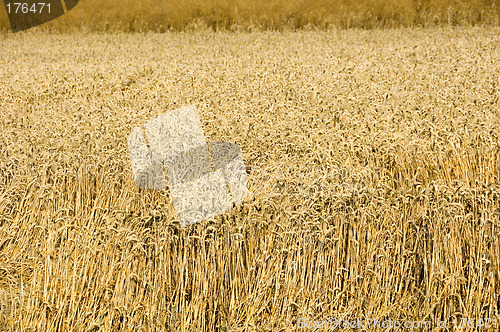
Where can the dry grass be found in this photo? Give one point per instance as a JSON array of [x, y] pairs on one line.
[[373, 157], [163, 15]]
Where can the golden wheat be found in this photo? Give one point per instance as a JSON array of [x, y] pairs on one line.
[[163, 15], [373, 160]]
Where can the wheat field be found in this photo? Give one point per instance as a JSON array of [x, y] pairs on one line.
[[373, 161], [237, 15]]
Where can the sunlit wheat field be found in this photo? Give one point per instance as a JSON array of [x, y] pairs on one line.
[[373, 161], [237, 15]]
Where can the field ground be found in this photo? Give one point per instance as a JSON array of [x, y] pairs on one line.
[[373, 160]]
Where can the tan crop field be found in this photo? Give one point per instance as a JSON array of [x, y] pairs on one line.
[[252, 15], [373, 160]]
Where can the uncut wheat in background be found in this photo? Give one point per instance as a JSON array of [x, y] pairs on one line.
[[372, 157], [257, 15]]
